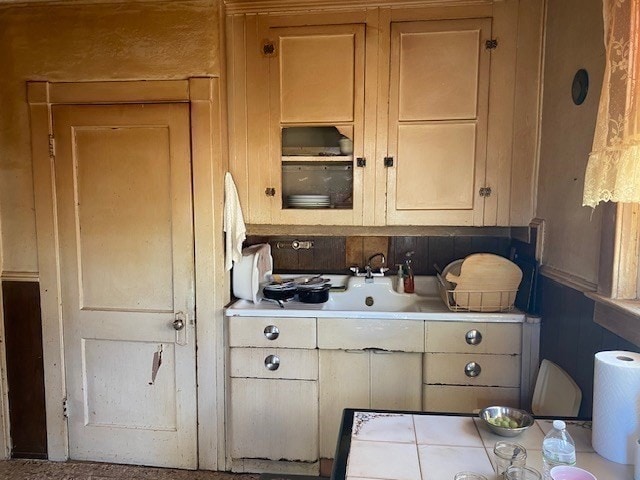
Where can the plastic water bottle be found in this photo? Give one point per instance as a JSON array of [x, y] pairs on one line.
[[558, 448]]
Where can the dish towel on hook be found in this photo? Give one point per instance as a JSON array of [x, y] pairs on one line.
[[234, 226]]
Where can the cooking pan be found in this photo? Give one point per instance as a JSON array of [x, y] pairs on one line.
[[314, 293]]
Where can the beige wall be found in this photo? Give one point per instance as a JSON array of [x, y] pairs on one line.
[[150, 40], [574, 39]]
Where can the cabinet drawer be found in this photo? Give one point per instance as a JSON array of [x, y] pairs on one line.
[[459, 369], [445, 398], [286, 363], [473, 337], [360, 333], [272, 332]]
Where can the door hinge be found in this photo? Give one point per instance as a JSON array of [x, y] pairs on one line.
[[361, 162], [388, 161], [485, 191], [65, 408], [52, 146], [491, 44]]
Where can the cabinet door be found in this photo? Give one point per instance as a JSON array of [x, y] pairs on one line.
[[344, 383], [274, 419], [396, 380], [438, 106], [316, 82]]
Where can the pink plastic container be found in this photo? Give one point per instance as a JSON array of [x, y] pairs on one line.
[[564, 472]]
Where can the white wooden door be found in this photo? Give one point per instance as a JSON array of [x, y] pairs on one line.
[[124, 219]]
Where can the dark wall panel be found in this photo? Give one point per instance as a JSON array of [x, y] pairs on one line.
[[570, 338], [336, 254], [25, 371]]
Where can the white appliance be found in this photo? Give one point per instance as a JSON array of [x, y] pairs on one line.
[[252, 271]]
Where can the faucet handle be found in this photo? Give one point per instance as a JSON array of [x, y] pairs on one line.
[[355, 269]]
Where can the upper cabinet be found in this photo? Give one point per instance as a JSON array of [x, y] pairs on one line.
[[384, 116], [438, 106]]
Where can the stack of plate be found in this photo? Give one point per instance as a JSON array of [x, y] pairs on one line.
[[308, 201]]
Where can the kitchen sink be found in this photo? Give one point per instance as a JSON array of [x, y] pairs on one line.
[[378, 295]]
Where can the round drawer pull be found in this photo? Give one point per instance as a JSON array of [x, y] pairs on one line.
[[271, 332], [272, 362], [472, 369], [473, 337]]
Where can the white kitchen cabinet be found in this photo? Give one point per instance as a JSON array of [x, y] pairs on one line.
[[286, 419], [423, 93], [471, 365], [274, 419], [457, 399], [367, 363], [273, 393]]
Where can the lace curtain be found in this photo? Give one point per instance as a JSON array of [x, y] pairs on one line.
[[613, 170]]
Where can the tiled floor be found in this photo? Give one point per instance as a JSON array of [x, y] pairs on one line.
[[433, 447], [44, 470]]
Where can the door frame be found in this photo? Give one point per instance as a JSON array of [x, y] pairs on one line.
[[209, 162]]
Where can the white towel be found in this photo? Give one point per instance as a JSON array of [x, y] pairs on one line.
[[234, 226]]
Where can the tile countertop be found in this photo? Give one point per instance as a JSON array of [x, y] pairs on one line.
[[420, 446], [432, 308]]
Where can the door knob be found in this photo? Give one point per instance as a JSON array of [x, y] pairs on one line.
[[178, 324]]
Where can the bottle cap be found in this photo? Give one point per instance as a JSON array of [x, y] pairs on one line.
[[559, 425]]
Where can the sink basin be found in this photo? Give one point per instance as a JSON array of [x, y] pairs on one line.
[[377, 296]]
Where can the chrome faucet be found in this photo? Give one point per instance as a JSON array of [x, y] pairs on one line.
[[368, 272], [383, 259]]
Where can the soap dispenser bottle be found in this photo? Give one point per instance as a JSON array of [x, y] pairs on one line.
[[409, 284], [400, 279]]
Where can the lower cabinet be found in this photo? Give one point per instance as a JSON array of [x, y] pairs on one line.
[[471, 365], [291, 378], [365, 379], [275, 419], [274, 409]]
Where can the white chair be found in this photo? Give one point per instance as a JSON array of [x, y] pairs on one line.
[[555, 393]]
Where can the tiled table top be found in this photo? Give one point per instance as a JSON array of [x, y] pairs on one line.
[[411, 446]]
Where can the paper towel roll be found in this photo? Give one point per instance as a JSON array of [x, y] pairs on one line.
[[616, 405]]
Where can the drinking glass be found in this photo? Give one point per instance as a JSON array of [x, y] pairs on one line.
[[515, 472], [507, 454], [469, 476]]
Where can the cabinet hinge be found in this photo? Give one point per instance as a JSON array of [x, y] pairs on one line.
[[65, 408], [268, 48], [52, 146], [361, 162], [270, 192], [491, 44], [485, 191], [388, 161]]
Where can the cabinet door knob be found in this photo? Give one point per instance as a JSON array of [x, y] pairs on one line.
[[271, 332], [272, 362], [472, 369], [473, 337]]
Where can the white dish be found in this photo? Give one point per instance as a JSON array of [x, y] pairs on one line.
[[307, 197]]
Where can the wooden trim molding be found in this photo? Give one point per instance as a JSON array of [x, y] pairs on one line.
[[357, 231], [208, 137], [272, 6], [621, 317], [19, 276], [567, 279]]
